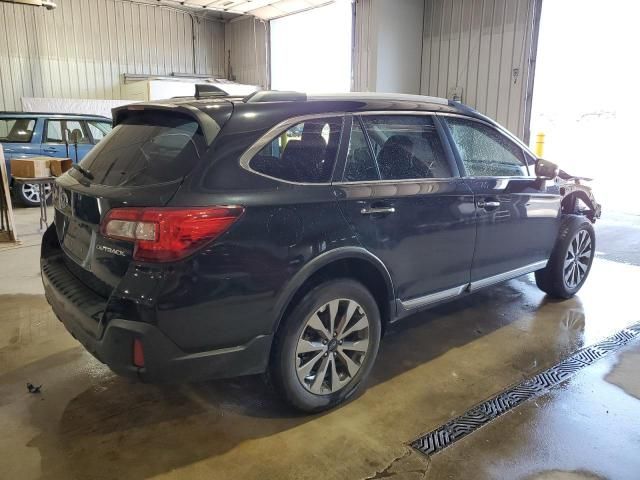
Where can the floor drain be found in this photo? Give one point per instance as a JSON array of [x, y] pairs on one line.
[[483, 413]]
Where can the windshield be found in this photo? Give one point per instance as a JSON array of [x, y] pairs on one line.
[[146, 149]]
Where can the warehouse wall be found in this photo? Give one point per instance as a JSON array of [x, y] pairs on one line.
[[81, 49], [399, 54], [388, 46], [481, 52], [246, 44]]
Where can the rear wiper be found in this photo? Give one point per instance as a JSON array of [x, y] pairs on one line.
[[83, 171]]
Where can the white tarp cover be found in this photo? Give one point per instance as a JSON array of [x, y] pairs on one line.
[[160, 89], [72, 105]]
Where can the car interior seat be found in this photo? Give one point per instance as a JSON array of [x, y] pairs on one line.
[[305, 157], [396, 159]]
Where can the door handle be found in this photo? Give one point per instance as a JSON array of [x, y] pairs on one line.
[[377, 210], [488, 204]]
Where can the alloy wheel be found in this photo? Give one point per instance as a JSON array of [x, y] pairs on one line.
[[31, 192], [332, 346], [576, 262]]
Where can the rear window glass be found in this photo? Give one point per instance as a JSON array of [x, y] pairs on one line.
[[16, 130], [145, 149], [304, 153]]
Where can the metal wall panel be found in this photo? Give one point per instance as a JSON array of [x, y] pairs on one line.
[[82, 48], [246, 42], [485, 50], [365, 51]]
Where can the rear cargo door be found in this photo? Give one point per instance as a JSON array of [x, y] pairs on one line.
[[141, 163]]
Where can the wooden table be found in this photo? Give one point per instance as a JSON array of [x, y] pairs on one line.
[[42, 183]]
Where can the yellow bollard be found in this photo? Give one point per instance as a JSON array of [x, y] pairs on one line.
[[540, 145]]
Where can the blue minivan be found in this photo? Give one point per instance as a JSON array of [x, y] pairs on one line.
[[27, 134]]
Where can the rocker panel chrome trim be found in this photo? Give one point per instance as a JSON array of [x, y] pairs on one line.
[[432, 298], [485, 282], [471, 287]]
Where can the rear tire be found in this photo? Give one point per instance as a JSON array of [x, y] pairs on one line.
[[28, 194], [571, 259], [326, 347]]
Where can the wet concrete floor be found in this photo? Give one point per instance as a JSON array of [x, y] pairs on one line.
[[88, 423]]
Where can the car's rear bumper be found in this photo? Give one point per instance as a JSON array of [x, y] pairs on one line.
[[80, 310]]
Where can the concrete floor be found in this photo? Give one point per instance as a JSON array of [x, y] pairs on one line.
[[88, 423]]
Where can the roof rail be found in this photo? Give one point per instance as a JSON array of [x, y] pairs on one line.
[[275, 96], [204, 90]]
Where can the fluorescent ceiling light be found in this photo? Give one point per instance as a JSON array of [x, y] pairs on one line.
[[264, 9], [49, 5]]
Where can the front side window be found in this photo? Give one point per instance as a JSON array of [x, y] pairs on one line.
[[361, 166], [98, 129], [484, 151], [406, 147], [60, 130], [305, 153], [16, 130]]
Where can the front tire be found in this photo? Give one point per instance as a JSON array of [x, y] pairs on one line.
[[326, 347], [571, 259]]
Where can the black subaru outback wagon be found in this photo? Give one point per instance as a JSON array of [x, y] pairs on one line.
[[280, 233]]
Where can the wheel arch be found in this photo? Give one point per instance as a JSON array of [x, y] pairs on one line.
[[570, 200], [346, 262]]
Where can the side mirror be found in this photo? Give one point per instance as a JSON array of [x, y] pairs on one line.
[[546, 170]]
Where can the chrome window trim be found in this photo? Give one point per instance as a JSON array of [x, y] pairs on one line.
[[394, 112], [275, 131], [393, 182], [284, 125]]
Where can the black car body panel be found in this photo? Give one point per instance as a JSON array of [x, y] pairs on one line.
[[520, 232], [215, 312]]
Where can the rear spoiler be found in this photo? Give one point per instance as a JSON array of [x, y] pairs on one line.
[[208, 125]]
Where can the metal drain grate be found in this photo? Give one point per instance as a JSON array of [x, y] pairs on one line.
[[482, 414]]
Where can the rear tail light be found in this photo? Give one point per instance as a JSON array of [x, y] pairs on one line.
[[168, 234], [138, 353]]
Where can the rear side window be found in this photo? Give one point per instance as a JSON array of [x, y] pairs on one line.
[[147, 148], [485, 151], [16, 130], [98, 130], [304, 153], [58, 131], [407, 147]]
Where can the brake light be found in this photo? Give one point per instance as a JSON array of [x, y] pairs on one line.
[[138, 353], [168, 234]]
